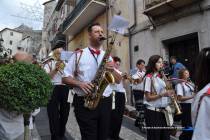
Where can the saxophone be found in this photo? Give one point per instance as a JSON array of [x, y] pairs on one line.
[[173, 98], [101, 80]]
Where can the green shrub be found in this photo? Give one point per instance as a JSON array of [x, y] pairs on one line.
[[23, 87]]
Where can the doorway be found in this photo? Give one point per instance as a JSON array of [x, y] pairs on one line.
[[186, 49]]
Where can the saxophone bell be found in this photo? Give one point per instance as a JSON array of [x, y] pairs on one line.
[[176, 105]]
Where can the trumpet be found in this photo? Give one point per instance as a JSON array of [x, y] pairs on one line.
[[132, 80], [55, 55], [173, 97]]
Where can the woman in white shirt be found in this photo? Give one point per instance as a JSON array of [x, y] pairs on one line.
[[156, 100], [201, 103], [185, 93]]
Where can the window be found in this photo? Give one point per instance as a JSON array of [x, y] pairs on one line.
[[10, 42], [20, 48], [77, 1], [11, 33], [136, 48]]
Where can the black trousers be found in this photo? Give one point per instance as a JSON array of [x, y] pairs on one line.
[[157, 120], [117, 116], [186, 121], [58, 111], [93, 124], [138, 96]]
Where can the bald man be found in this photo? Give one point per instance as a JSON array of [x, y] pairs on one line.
[[23, 57]]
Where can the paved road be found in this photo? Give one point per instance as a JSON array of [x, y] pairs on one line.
[[42, 125], [128, 130]]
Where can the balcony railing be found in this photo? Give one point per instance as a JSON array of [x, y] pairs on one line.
[[83, 13], [159, 7], [150, 3]]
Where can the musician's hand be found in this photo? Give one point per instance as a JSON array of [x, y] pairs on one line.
[[193, 94], [109, 66], [136, 81], [169, 93], [86, 87], [125, 75], [57, 66]]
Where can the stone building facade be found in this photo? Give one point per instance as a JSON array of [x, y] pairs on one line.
[[11, 39], [175, 27]]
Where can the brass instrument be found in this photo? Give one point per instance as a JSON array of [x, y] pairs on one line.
[[131, 80], [101, 80], [55, 55], [173, 97]]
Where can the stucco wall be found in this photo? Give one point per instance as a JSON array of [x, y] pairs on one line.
[[150, 41]]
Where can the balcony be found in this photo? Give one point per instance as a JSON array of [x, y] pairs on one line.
[[156, 8], [84, 12]]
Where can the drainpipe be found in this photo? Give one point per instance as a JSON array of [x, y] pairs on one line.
[[130, 29]]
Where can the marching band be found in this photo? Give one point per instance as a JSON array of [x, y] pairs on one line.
[[100, 96], [101, 119]]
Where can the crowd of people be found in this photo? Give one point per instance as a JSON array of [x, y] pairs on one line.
[[150, 87]]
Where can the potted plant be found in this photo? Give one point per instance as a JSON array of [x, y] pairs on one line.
[[23, 88]]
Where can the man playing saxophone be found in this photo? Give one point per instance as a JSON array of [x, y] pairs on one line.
[[79, 72]]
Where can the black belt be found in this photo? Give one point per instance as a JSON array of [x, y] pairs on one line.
[[138, 90], [159, 109]]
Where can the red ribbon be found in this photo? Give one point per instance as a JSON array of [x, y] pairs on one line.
[[208, 91], [95, 51]]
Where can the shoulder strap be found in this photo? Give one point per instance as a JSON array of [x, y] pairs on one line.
[[49, 64], [77, 60], [152, 87], [184, 92], [190, 87]]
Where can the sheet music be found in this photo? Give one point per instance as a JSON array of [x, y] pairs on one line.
[[118, 24], [65, 55]]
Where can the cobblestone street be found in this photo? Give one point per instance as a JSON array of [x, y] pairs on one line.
[[126, 133]]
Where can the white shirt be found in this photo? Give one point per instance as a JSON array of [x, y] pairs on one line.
[[137, 75], [57, 79], [186, 90], [202, 125], [159, 86], [118, 87], [11, 125], [87, 68]]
